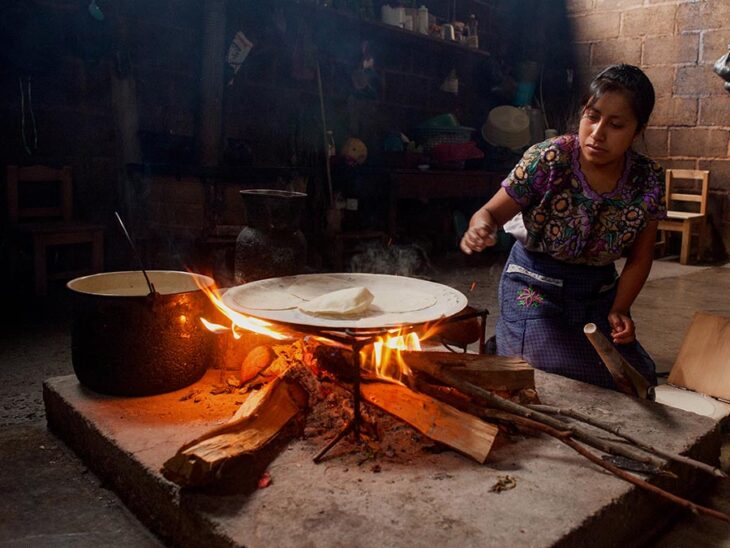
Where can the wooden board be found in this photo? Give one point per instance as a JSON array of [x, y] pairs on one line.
[[433, 418], [703, 362]]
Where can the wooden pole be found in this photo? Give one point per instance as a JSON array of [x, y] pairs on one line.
[[628, 379], [211, 82], [325, 141]]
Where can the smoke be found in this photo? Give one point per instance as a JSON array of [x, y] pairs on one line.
[[400, 259]]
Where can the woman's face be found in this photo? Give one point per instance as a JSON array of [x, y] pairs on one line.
[[607, 129]]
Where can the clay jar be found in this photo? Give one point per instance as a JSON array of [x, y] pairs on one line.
[[271, 244]]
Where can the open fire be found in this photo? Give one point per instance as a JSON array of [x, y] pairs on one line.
[[456, 400], [293, 380], [383, 356]]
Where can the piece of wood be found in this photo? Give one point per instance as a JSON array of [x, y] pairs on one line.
[[486, 371], [244, 444], [703, 361], [211, 81], [433, 418], [628, 379]]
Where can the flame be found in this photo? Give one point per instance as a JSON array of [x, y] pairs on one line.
[[238, 321], [386, 359], [214, 327]]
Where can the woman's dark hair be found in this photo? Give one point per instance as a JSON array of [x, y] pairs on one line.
[[629, 80]]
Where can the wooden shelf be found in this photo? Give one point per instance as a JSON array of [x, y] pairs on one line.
[[388, 31], [207, 173]]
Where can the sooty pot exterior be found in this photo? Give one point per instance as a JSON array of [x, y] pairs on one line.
[[140, 345]]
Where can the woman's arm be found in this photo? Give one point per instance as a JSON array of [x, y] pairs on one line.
[[483, 226], [633, 276]]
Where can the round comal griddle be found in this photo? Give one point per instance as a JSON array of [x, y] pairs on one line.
[[445, 300]]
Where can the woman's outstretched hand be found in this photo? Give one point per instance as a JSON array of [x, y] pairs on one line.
[[623, 330], [482, 232]]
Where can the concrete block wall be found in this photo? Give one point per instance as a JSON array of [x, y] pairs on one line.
[[676, 42]]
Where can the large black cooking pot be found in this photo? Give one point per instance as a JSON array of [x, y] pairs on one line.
[[127, 342]]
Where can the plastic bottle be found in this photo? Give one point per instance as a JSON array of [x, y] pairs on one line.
[[422, 20], [473, 32]]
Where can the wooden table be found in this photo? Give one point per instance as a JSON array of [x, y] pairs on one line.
[[434, 184]]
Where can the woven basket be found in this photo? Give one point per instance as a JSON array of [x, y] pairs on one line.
[[430, 137]]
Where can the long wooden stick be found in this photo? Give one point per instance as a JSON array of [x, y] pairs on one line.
[[628, 379], [328, 172], [492, 400], [566, 438], [606, 445], [571, 413]]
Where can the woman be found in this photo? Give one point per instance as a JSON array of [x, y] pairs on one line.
[[585, 199]]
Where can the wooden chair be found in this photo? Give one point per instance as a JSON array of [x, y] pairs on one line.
[[682, 220], [40, 209]]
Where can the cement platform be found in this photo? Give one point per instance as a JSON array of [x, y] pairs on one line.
[[426, 499]]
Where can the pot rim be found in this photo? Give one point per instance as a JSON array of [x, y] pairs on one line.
[[77, 284]]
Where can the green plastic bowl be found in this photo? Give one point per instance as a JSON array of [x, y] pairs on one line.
[[441, 121]]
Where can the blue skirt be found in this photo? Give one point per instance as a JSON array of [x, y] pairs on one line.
[[544, 304]]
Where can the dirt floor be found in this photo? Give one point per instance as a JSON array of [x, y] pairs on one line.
[[51, 499]]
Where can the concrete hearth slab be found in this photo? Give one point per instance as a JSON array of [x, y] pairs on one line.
[[420, 499]]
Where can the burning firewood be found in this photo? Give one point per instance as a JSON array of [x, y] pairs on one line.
[[433, 418], [497, 373], [247, 444]]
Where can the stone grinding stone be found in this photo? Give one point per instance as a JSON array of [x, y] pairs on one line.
[[426, 499]]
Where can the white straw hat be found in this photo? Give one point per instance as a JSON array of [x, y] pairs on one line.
[[508, 127]]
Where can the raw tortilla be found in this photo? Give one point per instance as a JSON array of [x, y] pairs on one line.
[[316, 286], [401, 300], [345, 302], [265, 298]]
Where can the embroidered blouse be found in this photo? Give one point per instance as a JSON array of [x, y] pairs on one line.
[[570, 221]]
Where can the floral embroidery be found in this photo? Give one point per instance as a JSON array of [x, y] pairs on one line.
[[529, 297], [567, 219]]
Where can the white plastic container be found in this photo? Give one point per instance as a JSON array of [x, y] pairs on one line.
[[422, 20]]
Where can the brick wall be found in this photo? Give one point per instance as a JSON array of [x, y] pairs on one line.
[[676, 43]]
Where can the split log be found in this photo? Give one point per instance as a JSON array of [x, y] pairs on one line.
[[246, 445], [433, 418], [485, 371]]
